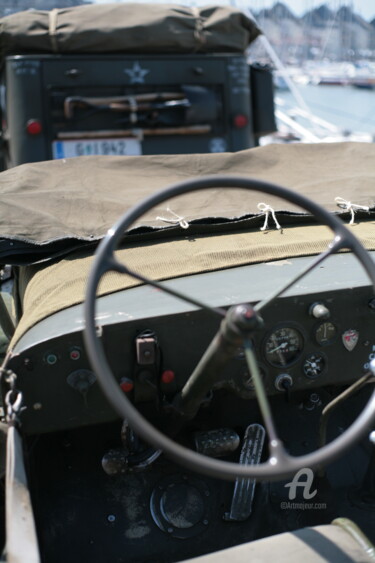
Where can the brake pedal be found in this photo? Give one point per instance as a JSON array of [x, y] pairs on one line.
[[243, 494]]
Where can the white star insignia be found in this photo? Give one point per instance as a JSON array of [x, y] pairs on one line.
[[137, 73], [217, 145]]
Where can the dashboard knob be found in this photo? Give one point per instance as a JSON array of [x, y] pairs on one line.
[[319, 311], [283, 382]]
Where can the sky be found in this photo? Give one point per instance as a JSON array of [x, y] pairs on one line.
[[366, 8]]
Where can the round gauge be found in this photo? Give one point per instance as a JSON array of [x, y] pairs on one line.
[[314, 365], [283, 346], [325, 333]]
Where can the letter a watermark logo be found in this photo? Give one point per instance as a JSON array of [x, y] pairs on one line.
[[305, 484]]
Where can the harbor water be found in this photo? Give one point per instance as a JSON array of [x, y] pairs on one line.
[[350, 109]]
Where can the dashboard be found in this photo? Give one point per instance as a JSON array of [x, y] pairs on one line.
[[319, 333]]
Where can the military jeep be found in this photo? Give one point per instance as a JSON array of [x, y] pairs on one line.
[[149, 79]]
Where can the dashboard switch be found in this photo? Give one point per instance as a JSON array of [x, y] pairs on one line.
[[312, 402], [81, 380], [283, 382], [146, 350], [319, 311]]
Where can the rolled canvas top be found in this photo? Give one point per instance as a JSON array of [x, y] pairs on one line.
[[51, 208], [127, 28]]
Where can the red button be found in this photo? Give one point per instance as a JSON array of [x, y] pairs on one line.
[[126, 385], [168, 376]]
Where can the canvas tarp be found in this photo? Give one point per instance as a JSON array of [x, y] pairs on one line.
[[127, 28], [46, 289], [50, 208]]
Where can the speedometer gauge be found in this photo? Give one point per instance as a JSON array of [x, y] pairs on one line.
[[283, 346]]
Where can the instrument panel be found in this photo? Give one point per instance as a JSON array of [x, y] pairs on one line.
[[309, 339]]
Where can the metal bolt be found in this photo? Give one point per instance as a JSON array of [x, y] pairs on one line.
[[28, 364], [73, 72], [205, 522], [170, 530], [314, 398], [37, 406], [111, 518]]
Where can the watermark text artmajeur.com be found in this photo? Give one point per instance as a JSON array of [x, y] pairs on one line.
[[287, 505]]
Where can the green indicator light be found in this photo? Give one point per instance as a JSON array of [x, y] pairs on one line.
[[51, 359]]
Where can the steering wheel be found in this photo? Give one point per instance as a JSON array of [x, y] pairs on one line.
[[236, 326]]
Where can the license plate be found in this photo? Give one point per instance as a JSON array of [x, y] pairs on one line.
[[92, 147]]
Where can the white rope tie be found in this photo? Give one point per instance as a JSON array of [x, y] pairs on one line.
[[133, 109], [199, 35], [267, 210], [349, 206], [176, 220], [52, 29]]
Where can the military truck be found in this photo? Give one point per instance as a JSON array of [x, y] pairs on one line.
[[122, 79]]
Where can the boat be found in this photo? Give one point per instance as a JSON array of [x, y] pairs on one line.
[[366, 84], [364, 80], [188, 356], [364, 75]]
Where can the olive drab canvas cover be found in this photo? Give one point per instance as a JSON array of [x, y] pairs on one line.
[[127, 28], [50, 208]]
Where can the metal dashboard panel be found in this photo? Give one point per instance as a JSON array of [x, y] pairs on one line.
[[60, 390]]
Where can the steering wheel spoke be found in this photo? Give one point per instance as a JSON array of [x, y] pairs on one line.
[[115, 266], [260, 392], [336, 245], [111, 264], [163, 287]]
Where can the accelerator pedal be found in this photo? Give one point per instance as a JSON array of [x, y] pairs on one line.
[[243, 494]]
